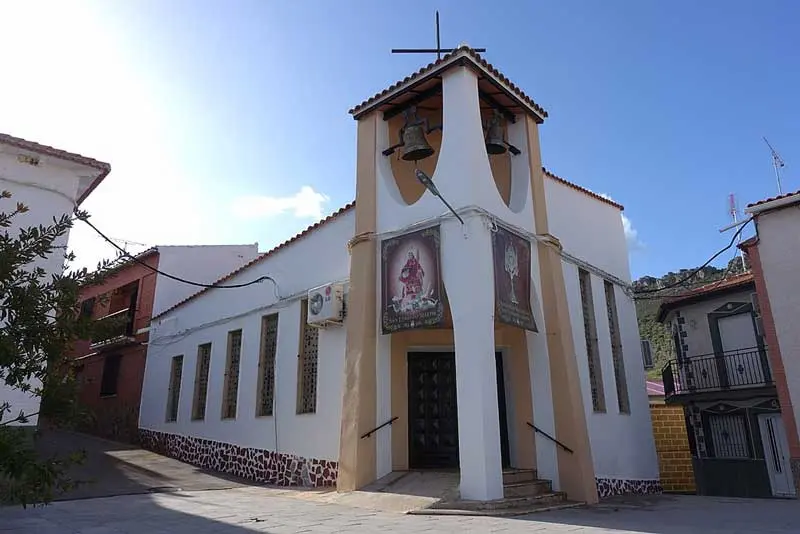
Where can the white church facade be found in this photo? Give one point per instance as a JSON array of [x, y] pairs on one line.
[[492, 331]]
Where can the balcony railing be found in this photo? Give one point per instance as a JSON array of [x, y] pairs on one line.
[[114, 328], [739, 369]]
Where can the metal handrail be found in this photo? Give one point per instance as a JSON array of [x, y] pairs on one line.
[[720, 371], [389, 422], [548, 436]]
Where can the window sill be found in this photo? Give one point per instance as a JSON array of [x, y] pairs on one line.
[[266, 416], [109, 396]]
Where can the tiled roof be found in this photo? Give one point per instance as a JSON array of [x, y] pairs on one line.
[[583, 190], [772, 199], [442, 64], [263, 256], [698, 293], [46, 150]]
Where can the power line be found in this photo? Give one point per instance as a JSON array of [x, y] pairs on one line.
[[171, 276], [693, 273]]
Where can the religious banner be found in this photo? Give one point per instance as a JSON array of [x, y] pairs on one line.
[[411, 281], [512, 279]]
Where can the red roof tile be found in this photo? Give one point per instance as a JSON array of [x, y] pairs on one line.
[[697, 293], [46, 150], [263, 256], [771, 199], [583, 190], [435, 67]]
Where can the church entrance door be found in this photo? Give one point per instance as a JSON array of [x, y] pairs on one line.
[[433, 411]]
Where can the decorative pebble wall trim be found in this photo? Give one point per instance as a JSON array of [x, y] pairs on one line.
[[259, 465], [608, 487]]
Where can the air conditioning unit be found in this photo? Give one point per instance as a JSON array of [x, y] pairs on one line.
[[326, 305]]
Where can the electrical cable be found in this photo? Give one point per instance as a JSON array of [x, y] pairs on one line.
[[173, 277], [693, 273]]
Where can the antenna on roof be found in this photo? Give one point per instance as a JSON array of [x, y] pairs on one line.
[[777, 163], [438, 50], [733, 211]]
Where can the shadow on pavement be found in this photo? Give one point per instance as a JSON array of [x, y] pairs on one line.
[[112, 468], [677, 514]]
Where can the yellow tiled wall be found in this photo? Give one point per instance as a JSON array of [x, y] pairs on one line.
[[672, 447]]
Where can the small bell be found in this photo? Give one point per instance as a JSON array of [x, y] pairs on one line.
[[495, 144], [415, 146]]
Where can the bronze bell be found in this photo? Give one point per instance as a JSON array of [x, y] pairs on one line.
[[495, 144], [415, 146]]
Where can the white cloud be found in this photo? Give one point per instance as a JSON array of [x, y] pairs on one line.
[[631, 234], [306, 203]]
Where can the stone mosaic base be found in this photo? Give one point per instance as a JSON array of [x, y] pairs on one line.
[[607, 487], [795, 464], [260, 465]]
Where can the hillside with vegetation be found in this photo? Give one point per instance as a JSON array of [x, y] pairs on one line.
[[648, 302]]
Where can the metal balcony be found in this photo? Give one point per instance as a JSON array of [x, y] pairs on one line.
[[727, 371], [114, 329]]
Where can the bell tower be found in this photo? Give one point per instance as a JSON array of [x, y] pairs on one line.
[[456, 144]]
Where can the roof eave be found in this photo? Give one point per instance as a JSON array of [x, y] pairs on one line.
[[778, 203], [461, 57]]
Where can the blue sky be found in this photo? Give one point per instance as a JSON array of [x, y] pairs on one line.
[[226, 122]]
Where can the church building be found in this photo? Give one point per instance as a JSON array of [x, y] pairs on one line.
[[470, 311]]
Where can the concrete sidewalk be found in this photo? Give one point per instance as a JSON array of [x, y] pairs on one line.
[[243, 510]]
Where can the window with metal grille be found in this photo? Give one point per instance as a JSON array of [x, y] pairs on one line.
[[592, 350], [110, 379], [729, 436], [647, 354], [174, 394], [231, 389], [201, 381], [307, 364], [266, 364], [616, 350]]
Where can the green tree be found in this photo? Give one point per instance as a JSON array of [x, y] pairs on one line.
[[40, 320]]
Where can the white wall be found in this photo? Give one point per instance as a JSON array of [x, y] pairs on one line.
[[698, 332], [49, 190], [622, 444], [587, 228], [779, 250], [204, 264], [311, 261]]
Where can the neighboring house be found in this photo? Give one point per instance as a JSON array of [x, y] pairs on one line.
[[506, 341], [672, 442], [51, 183], [723, 380], [110, 370], [774, 253]]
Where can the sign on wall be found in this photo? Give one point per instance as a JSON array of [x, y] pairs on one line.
[[512, 279], [411, 281]]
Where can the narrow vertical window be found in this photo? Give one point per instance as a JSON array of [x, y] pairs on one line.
[[231, 390], [616, 350], [592, 350], [307, 364], [201, 382], [266, 364], [174, 394]]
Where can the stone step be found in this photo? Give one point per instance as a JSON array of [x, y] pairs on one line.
[[515, 476], [530, 488], [503, 512], [507, 503]]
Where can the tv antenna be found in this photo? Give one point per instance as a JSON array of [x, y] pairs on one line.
[[126, 243], [438, 50], [733, 211], [777, 163]]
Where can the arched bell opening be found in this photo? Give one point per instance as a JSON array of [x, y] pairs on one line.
[[416, 136], [505, 141]]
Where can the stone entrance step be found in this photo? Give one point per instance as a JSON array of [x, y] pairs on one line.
[[515, 476]]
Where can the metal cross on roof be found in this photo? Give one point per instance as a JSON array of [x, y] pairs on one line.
[[438, 50]]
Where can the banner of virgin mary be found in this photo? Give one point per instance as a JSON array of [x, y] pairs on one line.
[[512, 279], [411, 282]]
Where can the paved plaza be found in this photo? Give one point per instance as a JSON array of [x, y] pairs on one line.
[[252, 509]]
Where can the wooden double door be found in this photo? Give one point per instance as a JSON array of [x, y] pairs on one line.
[[433, 410]]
